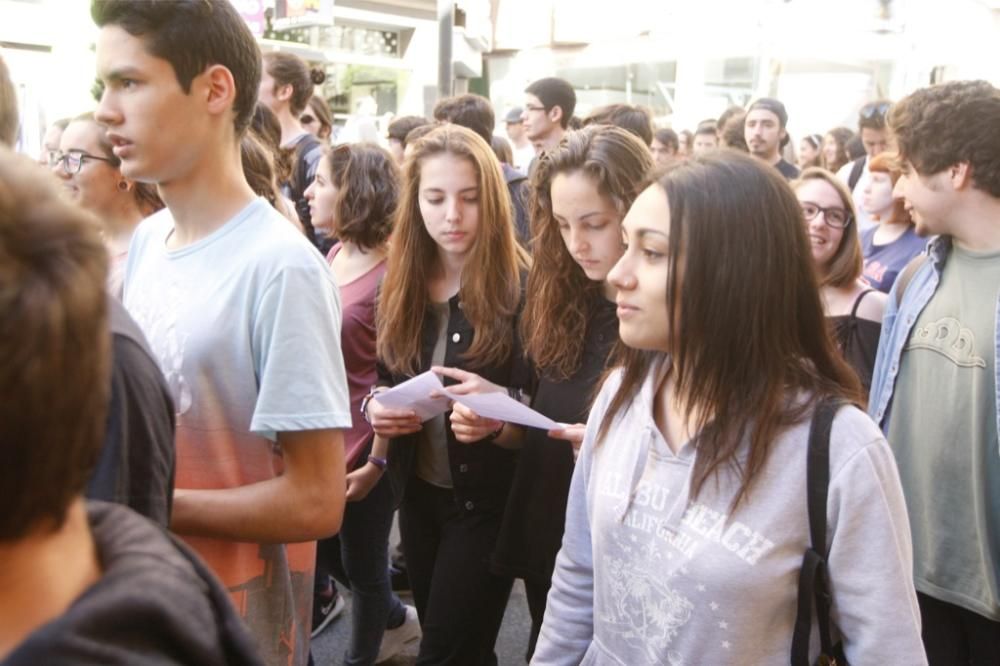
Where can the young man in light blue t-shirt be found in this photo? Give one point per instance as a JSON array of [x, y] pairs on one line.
[[240, 310]]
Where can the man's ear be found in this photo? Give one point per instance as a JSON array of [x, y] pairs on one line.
[[960, 175], [220, 89], [555, 114]]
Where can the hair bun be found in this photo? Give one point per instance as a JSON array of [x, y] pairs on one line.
[[317, 75]]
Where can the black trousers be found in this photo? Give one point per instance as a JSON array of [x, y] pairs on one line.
[[954, 636], [460, 602], [537, 594]]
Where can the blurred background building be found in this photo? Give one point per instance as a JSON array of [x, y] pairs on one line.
[[686, 60]]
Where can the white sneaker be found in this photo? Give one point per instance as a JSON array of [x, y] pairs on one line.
[[396, 640]]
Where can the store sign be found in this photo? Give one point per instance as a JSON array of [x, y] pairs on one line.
[[299, 12], [252, 12]]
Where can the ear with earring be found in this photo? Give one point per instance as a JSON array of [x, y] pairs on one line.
[[124, 186]]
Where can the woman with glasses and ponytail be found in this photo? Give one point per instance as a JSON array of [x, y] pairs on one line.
[[852, 306], [88, 168]]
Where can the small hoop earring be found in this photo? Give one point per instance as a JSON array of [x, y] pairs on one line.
[[123, 186]]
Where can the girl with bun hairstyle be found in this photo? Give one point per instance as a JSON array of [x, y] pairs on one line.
[[286, 86]]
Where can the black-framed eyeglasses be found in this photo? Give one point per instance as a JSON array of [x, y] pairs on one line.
[[835, 217], [73, 160], [306, 119], [873, 109], [534, 107]]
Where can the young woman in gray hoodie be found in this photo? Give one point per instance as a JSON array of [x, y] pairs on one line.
[[687, 517]]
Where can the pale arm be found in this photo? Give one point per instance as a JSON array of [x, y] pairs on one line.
[[303, 504]]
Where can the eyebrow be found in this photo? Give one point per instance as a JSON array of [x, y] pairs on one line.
[[640, 233], [582, 217], [474, 188], [121, 73]]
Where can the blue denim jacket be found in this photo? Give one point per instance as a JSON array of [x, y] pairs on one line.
[[897, 323]]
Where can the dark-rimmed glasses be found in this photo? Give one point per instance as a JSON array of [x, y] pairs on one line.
[[532, 107], [73, 160], [835, 217]]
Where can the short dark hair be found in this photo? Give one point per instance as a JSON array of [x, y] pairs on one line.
[[192, 35], [732, 135], [287, 69], [8, 107], [400, 127], [707, 130], [471, 111], [553, 91], [873, 115], [943, 125], [55, 346], [668, 138], [368, 185], [634, 119]]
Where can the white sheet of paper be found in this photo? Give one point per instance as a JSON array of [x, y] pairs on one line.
[[502, 407], [414, 394]]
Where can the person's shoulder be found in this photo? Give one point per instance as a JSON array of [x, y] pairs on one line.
[[872, 306], [277, 244], [151, 230], [853, 431]]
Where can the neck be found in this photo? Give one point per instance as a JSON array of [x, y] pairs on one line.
[[119, 226], [774, 158], [976, 225], [43, 574], [451, 266], [550, 140], [290, 126], [522, 142], [207, 196]]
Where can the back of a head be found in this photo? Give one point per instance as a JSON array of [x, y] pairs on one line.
[[948, 124], [368, 184], [634, 119], [8, 107], [553, 91], [668, 138], [501, 147], [55, 346], [400, 127], [732, 134], [321, 110], [470, 111], [288, 69], [211, 31]]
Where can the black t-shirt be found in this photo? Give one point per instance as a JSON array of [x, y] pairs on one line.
[[533, 522], [136, 467], [307, 152], [787, 169]]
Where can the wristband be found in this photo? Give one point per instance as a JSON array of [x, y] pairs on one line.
[[381, 463], [364, 402], [496, 433]]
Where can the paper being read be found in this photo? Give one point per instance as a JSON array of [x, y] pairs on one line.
[[415, 394], [502, 407]]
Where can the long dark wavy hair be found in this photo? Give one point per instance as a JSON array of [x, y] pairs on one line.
[[749, 350], [557, 309]]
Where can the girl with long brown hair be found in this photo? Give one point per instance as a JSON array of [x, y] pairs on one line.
[[852, 307], [687, 520], [451, 297], [581, 191]]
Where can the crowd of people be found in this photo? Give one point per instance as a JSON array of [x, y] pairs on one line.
[[775, 384]]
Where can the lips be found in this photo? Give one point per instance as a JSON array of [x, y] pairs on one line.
[[119, 145], [625, 310]]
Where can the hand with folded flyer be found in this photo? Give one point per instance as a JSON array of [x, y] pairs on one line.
[[468, 426], [572, 434], [388, 422]]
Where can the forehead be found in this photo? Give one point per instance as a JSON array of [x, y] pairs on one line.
[[81, 134], [119, 52], [872, 134], [762, 115], [446, 171], [649, 211], [576, 190], [532, 100], [818, 191]]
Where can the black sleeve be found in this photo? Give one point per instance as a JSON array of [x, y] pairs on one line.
[[136, 465]]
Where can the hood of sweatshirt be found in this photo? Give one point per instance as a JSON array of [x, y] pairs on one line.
[[155, 603]]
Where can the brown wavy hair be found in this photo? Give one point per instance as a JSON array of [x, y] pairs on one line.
[[367, 182], [842, 136], [750, 350], [490, 293], [288, 69], [847, 263], [556, 314]]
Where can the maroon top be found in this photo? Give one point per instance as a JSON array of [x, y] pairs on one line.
[[357, 341]]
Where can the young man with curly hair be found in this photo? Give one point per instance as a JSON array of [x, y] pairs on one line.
[[936, 380]]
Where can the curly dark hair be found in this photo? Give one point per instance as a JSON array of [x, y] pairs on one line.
[[555, 316], [368, 184], [943, 125]]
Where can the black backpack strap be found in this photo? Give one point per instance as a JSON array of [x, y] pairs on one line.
[[813, 585], [856, 170]]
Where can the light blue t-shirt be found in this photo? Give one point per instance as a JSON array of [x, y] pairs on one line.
[[245, 324]]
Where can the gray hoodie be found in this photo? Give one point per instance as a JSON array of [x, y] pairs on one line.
[[646, 576]]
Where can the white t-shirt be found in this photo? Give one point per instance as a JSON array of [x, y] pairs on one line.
[[249, 343]]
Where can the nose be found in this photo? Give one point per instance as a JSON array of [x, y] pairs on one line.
[[577, 242], [453, 210], [899, 189], [620, 275], [59, 171], [105, 113]]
